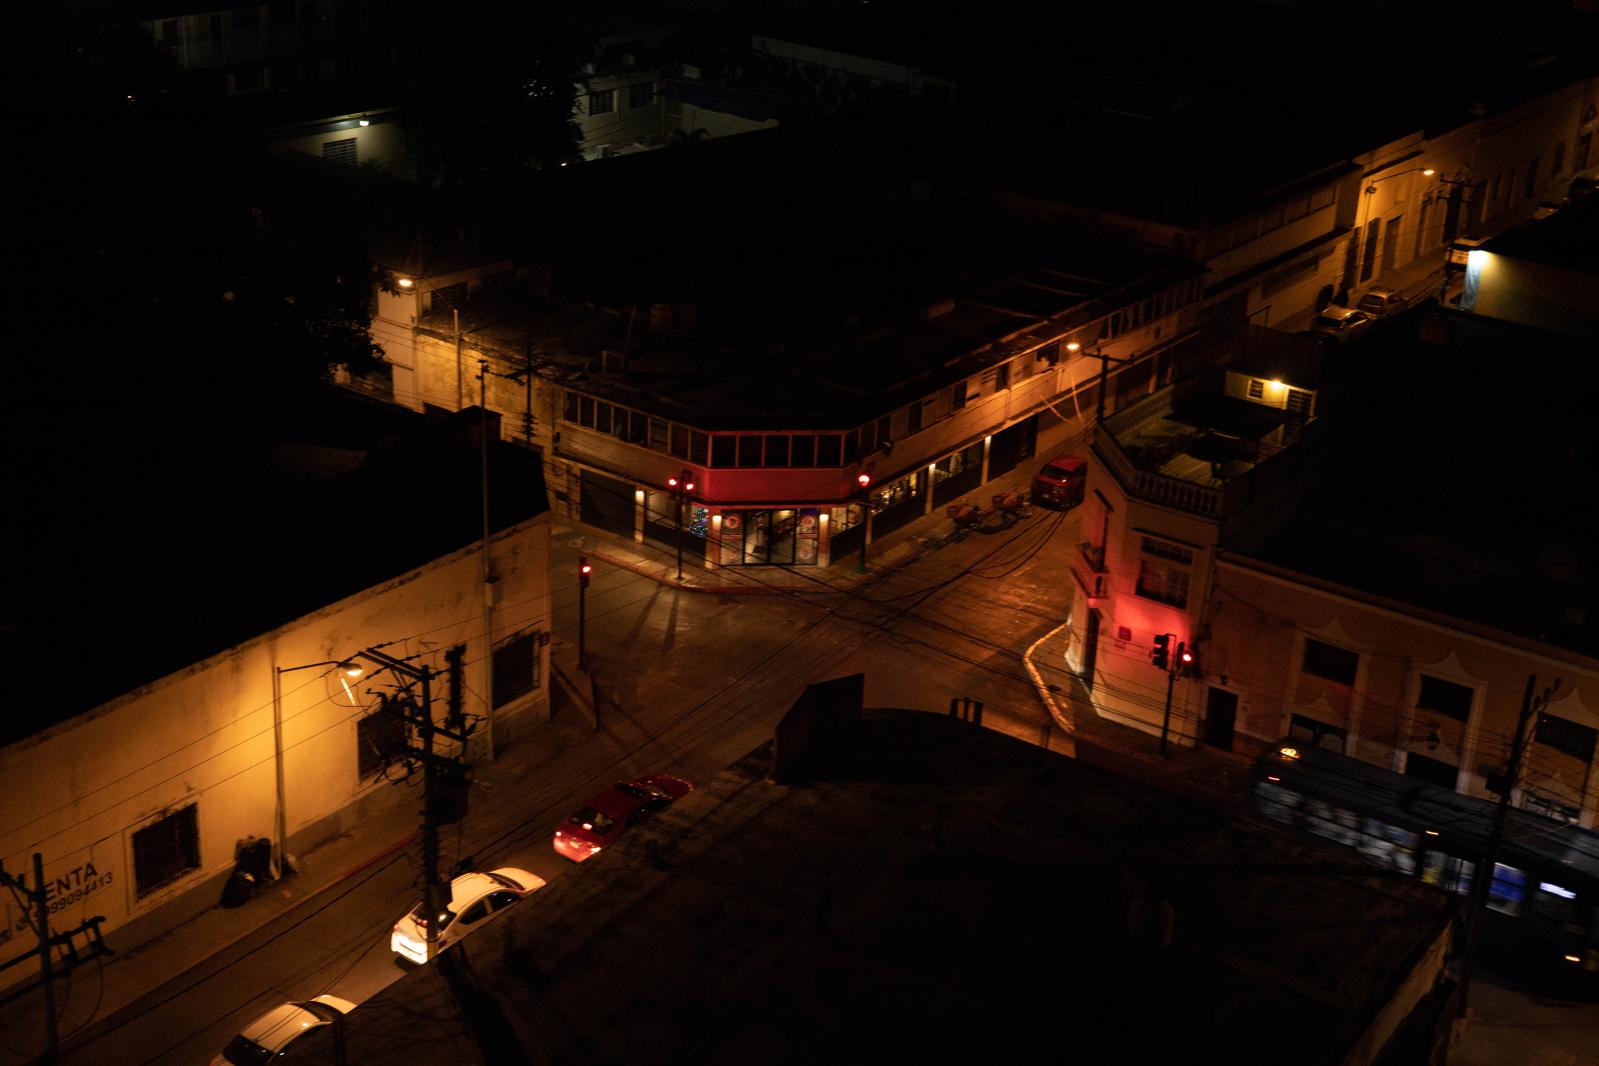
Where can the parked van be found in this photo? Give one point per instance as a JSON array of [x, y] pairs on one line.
[[1060, 482]]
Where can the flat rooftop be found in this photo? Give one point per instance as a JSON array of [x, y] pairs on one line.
[[171, 552], [826, 356], [1472, 502], [948, 892]]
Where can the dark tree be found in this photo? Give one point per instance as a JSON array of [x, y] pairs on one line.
[[497, 102]]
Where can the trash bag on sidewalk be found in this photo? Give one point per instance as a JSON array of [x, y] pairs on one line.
[[239, 889]]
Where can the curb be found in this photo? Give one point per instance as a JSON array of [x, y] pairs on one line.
[[1062, 718], [95, 1028]]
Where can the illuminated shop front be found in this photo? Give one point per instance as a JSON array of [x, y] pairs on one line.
[[771, 537]]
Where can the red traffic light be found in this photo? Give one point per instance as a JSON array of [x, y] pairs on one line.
[[863, 479], [1160, 655], [671, 482], [584, 569]]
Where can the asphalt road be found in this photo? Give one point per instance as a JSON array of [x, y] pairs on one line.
[[689, 682]]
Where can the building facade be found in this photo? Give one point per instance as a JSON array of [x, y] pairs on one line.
[[138, 806]]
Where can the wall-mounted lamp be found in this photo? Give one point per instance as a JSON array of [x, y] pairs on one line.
[[365, 122]]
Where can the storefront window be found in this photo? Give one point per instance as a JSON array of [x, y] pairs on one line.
[[848, 517]]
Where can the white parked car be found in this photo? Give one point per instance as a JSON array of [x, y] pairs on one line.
[[474, 898], [275, 1032]]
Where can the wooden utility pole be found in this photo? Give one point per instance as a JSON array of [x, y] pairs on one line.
[[39, 916], [1482, 880]]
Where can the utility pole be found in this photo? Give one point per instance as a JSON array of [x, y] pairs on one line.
[[41, 912], [488, 565], [434, 898], [1482, 880], [39, 908], [1104, 375]]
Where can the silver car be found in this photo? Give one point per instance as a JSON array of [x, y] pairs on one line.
[[1381, 301]]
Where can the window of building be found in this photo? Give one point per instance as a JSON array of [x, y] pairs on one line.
[[803, 450], [1164, 572], [869, 435], [244, 17], [658, 435], [698, 443], [1331, 662], [638, 428], [641, 95], [378, 737], [1257, 389], [679, 441], [913, 417], [776, 451], [1559, 163], [1002, 376], [724, 450], [957, 396], [1317, 733], [516, 668], [1532, 177], [449, 296], [169, 33], [216, 27], [602, 103], [1445, 697], [828, 446], [750, 451], [1563, 734], [166, 849]]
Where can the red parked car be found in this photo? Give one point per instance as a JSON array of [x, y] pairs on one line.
[[616, 810], [1060, 482]]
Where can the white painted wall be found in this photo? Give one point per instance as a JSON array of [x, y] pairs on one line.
[[204, 735]]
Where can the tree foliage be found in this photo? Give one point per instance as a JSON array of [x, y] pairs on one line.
[[497, 102]]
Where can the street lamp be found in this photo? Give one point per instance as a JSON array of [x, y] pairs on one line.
[[350, 671], [1104, 375]]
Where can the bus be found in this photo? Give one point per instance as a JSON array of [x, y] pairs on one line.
[[1542, 915]]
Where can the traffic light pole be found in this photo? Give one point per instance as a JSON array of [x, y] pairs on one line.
[[864, 480], [679, 537], [582, 601], [1165, 718]]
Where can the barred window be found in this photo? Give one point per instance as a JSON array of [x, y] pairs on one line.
[[602, 103], [165, 850], [1164, 572], [516, 668], [378, 739], [1562, 734]]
